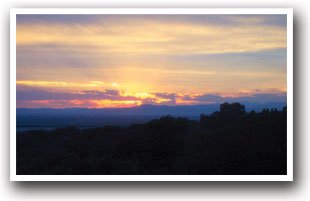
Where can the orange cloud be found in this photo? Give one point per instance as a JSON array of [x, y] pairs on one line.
[[141, 55], [91, 85], [41, 83], [148, 37], [115, 103], [81, 103]]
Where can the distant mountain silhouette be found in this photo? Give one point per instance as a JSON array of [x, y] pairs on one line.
[[85, 117], [181, 110]]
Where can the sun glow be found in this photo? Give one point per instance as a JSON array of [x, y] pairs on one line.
[[142, 95], [127, 61], [114, 103]]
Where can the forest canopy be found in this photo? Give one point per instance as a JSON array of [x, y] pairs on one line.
[[227, 142]]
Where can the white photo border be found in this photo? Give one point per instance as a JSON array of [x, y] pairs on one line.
[[287, 11]]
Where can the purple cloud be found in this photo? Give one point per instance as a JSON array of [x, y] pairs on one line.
[[257, 98]]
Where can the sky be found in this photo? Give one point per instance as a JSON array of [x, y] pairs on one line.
[[103, 61]]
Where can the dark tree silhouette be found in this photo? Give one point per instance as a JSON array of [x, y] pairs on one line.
[[232, 109], [229, 141]]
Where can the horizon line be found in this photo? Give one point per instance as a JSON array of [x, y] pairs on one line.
[[137, 106]]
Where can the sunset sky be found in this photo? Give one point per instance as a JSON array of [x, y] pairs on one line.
[[100, 61]]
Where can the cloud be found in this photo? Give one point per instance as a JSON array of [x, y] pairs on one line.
[[98, 93], [28, 84], [229, 20], [36, 97], [39, 94], [55, 104], [166, 95], [147, 53], [146, 35], [256, 98]]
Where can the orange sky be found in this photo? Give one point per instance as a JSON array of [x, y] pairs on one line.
[[123, 61]]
